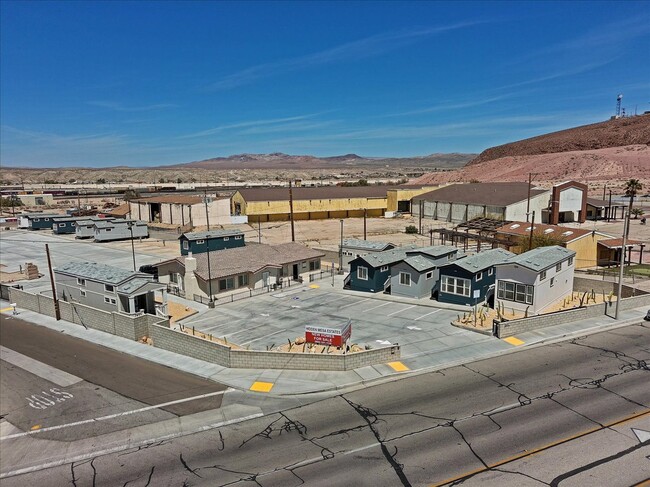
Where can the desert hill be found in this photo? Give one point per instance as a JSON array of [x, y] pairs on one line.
[[612, 133]]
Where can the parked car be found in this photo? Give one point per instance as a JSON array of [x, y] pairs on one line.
[[150, 269], [647, 316]]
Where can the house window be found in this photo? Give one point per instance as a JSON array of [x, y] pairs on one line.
[[314, 265], [173, 277], [108, 288], [186, 245], [479, 276], [82, 293], [225, 284], [225, 239], [570, 261], [429, 275], [304, 265], [558, 267], [81, 282], [405, 278], [511, 291], [109, 300], [200, 242], [552, 281], [490, 271], [61, 225], [36, 219], [542, 275], [238, 237], [383, 268], [109, 229], [242, 280], [362, 273], [456, 285]]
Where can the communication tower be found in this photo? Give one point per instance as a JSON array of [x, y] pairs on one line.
[[619, 98]]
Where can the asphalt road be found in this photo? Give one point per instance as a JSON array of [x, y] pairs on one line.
[[561, 414], [109, 382]]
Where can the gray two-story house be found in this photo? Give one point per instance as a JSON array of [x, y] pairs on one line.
[[109, 288], [353, 248], [417, 275]]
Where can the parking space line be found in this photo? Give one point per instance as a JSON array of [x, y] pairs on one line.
[[210, 328], [246, 329], [356, 302], [385, 304], [419, 317], [404, 309], [262, 337]]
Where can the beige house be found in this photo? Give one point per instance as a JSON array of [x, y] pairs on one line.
[[254, 266]]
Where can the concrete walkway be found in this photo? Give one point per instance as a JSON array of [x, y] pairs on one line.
[[291, 382]]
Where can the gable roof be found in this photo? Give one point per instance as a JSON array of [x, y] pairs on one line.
[[566, 234], [617, 243], [120, 211], [366, 244], [176, 199], [393, 256], [492, 194], [541, 258], [99, 272], [482, 260], [211, 234], [251, 258]]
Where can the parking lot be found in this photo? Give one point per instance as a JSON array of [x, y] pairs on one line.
[[270, 320], [422, 330]]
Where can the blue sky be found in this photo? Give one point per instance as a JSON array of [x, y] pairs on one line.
[[154, 83]]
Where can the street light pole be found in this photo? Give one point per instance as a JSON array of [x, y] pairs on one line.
[[626, 224]]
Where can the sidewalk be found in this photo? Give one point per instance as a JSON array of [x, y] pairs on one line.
[[296, 382]]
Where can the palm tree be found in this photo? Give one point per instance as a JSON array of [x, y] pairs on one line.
[[632, 186]]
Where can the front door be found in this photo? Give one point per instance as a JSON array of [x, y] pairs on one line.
[[295, 271], [265, 278]]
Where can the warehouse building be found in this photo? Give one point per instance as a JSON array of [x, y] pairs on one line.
[[272, 204], [513, 201], [182, 210]]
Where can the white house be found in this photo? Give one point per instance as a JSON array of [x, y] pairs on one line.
[[535, 280]]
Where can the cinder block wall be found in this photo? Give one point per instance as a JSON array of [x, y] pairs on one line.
[[191, 346]]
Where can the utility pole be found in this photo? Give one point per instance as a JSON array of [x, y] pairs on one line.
[[57, 311], [420, 217], [132, 244], [532, 227], [609, 210], [293, 231], [604, 190], [365, 215], [205, 200], [259, 230], [431, 237], [341, 250], [626, 225]]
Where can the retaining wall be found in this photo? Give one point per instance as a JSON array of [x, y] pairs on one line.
[[582, 284], [202, 349], [513, 327]]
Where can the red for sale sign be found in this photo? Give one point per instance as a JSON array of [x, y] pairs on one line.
[[335, 336]]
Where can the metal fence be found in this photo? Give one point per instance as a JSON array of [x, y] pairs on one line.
[[248, 293], [322, 274]]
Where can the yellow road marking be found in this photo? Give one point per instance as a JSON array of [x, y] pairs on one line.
[[262, 386], [36, 427], [513, 341], [6, 309], [398, 366], [534, 451], [314, 286]]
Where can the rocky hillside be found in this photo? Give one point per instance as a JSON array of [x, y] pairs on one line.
[[612, 133], [612, 166]]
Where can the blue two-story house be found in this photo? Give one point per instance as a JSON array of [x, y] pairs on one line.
[[372, 272], [470, 281], [200, 242]]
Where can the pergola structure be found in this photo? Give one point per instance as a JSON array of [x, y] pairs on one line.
[[479, 230]]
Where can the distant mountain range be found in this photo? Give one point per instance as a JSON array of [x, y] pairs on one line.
[[279, 160]]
